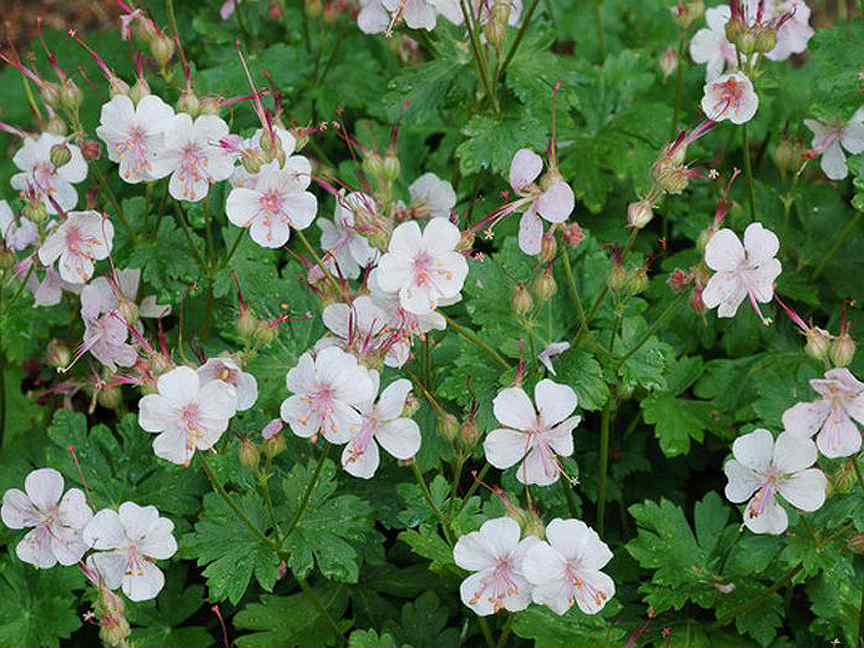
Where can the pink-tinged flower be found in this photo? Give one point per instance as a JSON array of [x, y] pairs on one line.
[[228, 371], [49, 183], [831, 417], [81, 239], [794, 33], [741, 271], [566, 569], [127, 542], [537, 438], [732, 97], [709, 46], [382, 16], [18, 233], [496, 555], [252, 148], [432, 197], [554, 349], [193, 152], [829, 140], [56, 518], [187, 415], [553, 199], [228, 8], [273, 428], [135, 136], [278, 202], [362, 328], [770, 468], [327, 390], [399, 319], [49, 290], [425, 269], [347, 250], [384, 425]]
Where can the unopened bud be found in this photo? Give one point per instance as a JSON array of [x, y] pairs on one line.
[[373, 165], [252, 160], [522, 301], [57, 354], [843, 350], [734, 29], [392, 166], [637, 282], [448, 426], [818, 343], [466, 241], [118, 86], [145, 30], [470, 433], [696, 302], [140, 90], [189, 103], [573, 234], [766, 40], [544, 286], [246, 324], [60, 155], [314, 8], [249, 455], [686, 13], [36, 212], [71, 96], [639, 214], [210, 105], [548, 247], [265, 333], [671, 177], [301, 138], [678, 281], [746, 41], [412, 404], [789, 155], [128, 310], [110, 397], [856, 543], [91, 150], [56, 126], [274, 446], [669, 62], [162, 49], [618, 278], [51, 94]]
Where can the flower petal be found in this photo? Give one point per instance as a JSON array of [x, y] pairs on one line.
[[504, 447], [555, 402], [513, 408]]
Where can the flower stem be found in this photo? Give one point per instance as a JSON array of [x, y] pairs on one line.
[[601, 29], [487, 633], [505, 632], [858, 473], [103, 183], [233, 249], [428, 495], [479, 58], [658, 322], [319, 607], [748, 171], [679, 86], [571, 499], [318, 260], [526, 20], [476, 341], [307, 496], [188, 232], [605, 433], [842, 237], [574, 290]]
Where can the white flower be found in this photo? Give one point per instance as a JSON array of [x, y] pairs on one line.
[[363, 328], [423, 268], [536, 438], [829, 140], [384, 425], [432, 197], [135, 136], [832, 415], [127, 543], [20, 233], [81, 239], [554, 349], [496, 555], [228, 371], [278, 202], [57, 519], [553, 200], [327, 390], [741, 271], [767, 468], [48, 291], [710, 45], [566, 569], [194, 155], [188, 415], [346, 249], [795, 33], [241, 177], [732, 97], [39, 174], [379, 16]]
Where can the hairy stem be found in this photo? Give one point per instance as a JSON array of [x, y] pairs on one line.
[[319, 607], [307, 496], [601, 29], [526, 20], [421, 481], [479, 58], [476, 341], [841, 238], [658, 322], [605, 433], [748, 172]]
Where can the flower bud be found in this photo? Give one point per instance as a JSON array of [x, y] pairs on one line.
[[734, 29], [496, 27], [544, 287], [412, 404], [145, 30], [57, 354], [842, 350], [573, 234], [246, 324], [618, 278], [301, 138], [71, 96], [210, 105], [36, 212], [686, 13], [696, 302], [189, 103], [118, 86], [91, 150], [274, 446], [128, 310], [548, 247], [818, 343], [140, 90], [314, 8], [746, 41], [470, 433], [522, 302], [678, 281], [639, 214], [392, 166], [856, 543], [670, 176], [637, 282], [466, 242], [162, 49], [56, 126], [252, 160], [766, 40], [373, 165], [7, 260], [448, 426], [789, 155], [249, 455], [668, 62], [264, 333], [110, 397], [51, 94], [60, 155]]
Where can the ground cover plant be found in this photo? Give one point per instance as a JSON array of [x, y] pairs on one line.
[[433, 323]]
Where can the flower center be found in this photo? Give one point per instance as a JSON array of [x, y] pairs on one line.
[[581, 587], [272, 202], [499, 585]]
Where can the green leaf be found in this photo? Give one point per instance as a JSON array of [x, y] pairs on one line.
[[231, 551], [427, 543], [424, 624], [676, 421], [370, 639], [575, 628], [491, 143]]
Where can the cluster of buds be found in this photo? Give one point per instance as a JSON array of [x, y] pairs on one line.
[[686, 13], [545, 287], [135, 22], [832, 350], [789, 155], [495, 29], [668, 62], [624, 281], [754, 34]]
